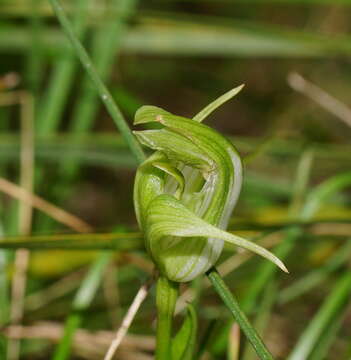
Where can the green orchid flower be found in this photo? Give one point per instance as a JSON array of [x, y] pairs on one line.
[[185, 192]]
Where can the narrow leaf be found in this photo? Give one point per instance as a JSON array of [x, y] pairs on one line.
[[183, 345], [337, 299], [199, 117]]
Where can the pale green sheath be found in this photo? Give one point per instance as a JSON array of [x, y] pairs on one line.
[[186, 191]]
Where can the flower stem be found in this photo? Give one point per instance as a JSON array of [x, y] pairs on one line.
[[233, 306], [166, 296]]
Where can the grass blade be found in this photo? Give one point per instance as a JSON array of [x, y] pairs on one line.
[[106, 44], [62, 78], [263, 315], [109, 241], [315, 277], [105, 95], [183, 344], [35, 59], [336, 300], [166, 296], [4, 288], [233, 306], [329, 334], [202, 36], [81, 302]]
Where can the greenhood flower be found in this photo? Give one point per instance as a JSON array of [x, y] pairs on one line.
[[185, 192]]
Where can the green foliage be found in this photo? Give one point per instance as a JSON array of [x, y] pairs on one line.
[[295, 200], [81, 302], [184, 343]]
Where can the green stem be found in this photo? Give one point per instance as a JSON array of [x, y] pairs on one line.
[[62, 76], [263, 316], [4, 289], [233, 306], [82, 301], [107, 241], [104, 93], [166, 296], [35, 61]]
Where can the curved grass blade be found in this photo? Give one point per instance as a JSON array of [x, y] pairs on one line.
[[339, 296], [62, 78], [106, 46], [81, 302], [204, 113], [323, 191], [105, 95], [183, 344], [166, 296], [315, 277], [329, 335], [313, 202]]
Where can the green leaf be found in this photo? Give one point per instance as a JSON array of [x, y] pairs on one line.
[[233, 306], [183, 344], [166, 297], [81, 302], [338, 299], [101, 88], [323, 191], [315, 277], [107, 241], [199, 117]]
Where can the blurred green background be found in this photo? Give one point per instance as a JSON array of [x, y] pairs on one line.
[[291, 123]]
